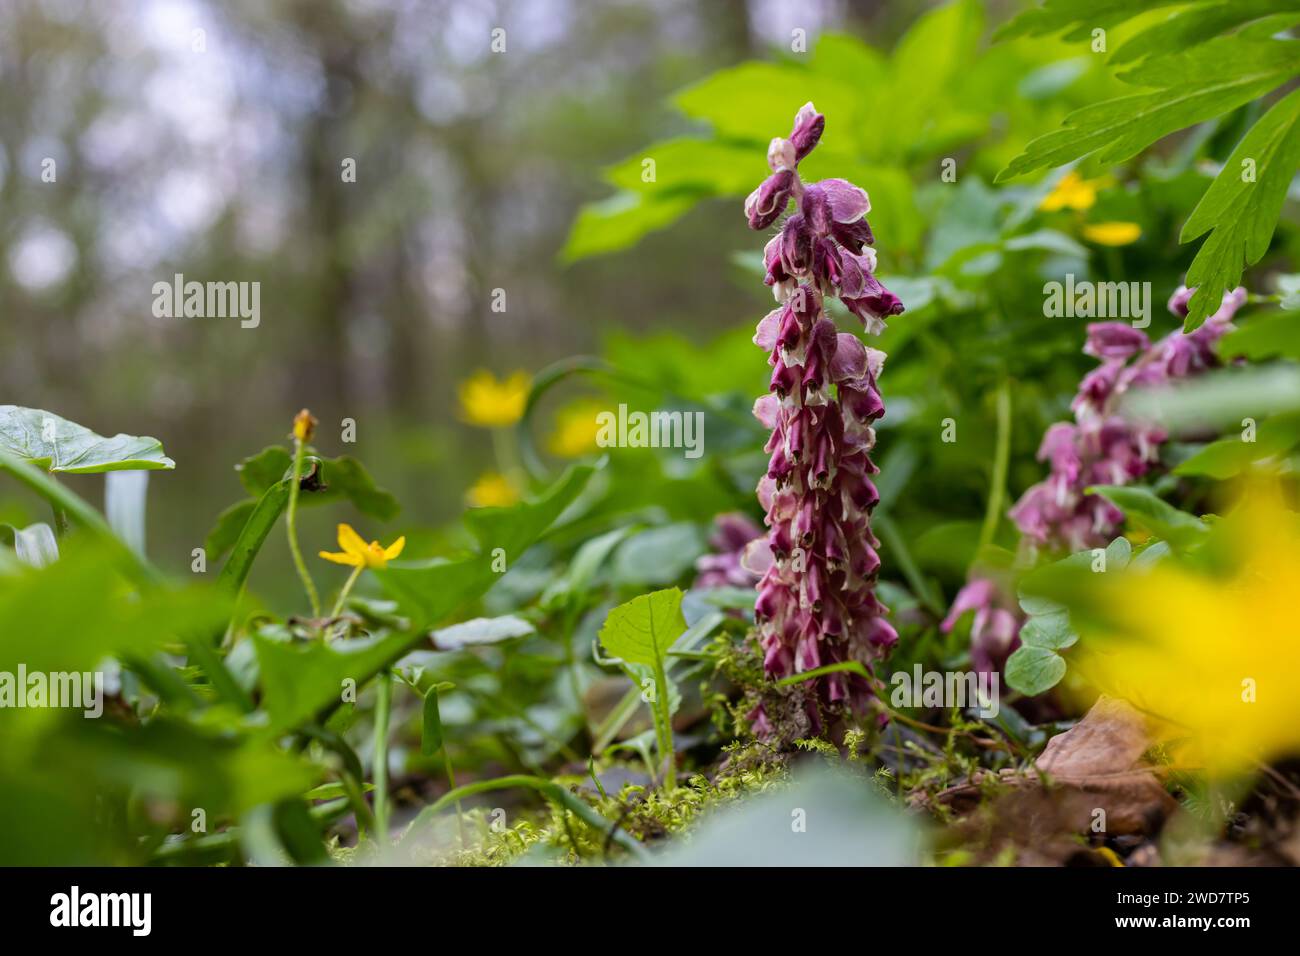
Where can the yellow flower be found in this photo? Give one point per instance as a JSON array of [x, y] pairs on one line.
[[1112, 233], [359, 554], [489, 403], [1072, 192], [575, 430], [1212, 654], [304, 426], [492, 491]]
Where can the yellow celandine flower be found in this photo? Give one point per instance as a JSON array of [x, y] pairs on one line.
[[1213, 655], [492, 491], [489, 403], [358, 554], [1072, 192], [1112, 233], [575, 430]]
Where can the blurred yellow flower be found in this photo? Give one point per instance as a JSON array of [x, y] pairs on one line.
[[1112, 233], [304, 425], [492, 490], [358, 554], [1212, 654], [1072, 192], [489, 403], [575, 430]]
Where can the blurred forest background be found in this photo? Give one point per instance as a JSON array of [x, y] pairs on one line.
[[218, 155]]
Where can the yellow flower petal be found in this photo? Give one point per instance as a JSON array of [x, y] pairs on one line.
[[489, 403], [492, 491], [351, 542], [1071, 192], [1112, 233], [575, 432], [342, 558], [394, 549]]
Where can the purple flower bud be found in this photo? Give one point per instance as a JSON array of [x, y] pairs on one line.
[[1114, 340], [769, 200], [808, 127]]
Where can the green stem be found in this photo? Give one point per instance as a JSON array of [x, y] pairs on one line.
[[664, 727], [1001, 459], [383, 706], [347, 589], [291, 520]]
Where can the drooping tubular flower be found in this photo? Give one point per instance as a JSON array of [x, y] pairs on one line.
[[816, 600], [1100, 447]]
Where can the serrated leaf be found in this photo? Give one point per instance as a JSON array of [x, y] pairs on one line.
[[642, 630], [1034, 670], [1189, 27], [1200, 84], [60, 446], [1239, 215]]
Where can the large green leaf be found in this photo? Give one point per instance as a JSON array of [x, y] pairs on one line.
[[58, 445], [1197, 85], [642, 630], [1240, 213], [1229, 457]]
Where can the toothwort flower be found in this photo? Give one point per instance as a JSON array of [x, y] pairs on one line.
[[1099, 447], [816, 603]]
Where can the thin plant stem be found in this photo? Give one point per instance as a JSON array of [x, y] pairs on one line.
[[291, 521], [1001, 459], [383, 707], [664, 726], [347, 589]]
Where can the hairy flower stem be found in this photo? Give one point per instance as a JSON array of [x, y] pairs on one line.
[[383, 707], [291, 522]]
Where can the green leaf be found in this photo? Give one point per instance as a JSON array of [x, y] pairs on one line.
[[1239, 215], [428, 591], [1180, 529], [1263, 337], [58, 445], [1080, 17], [253, 535], [1187, 28], [302, 679], [658, 555], [1051, 631], [1205, 82], [431, 738], [1229, 457], [342, 477], [642, 630], [481, 630], [1034, 670], [621, 221], [514, 528], [226, 531]]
